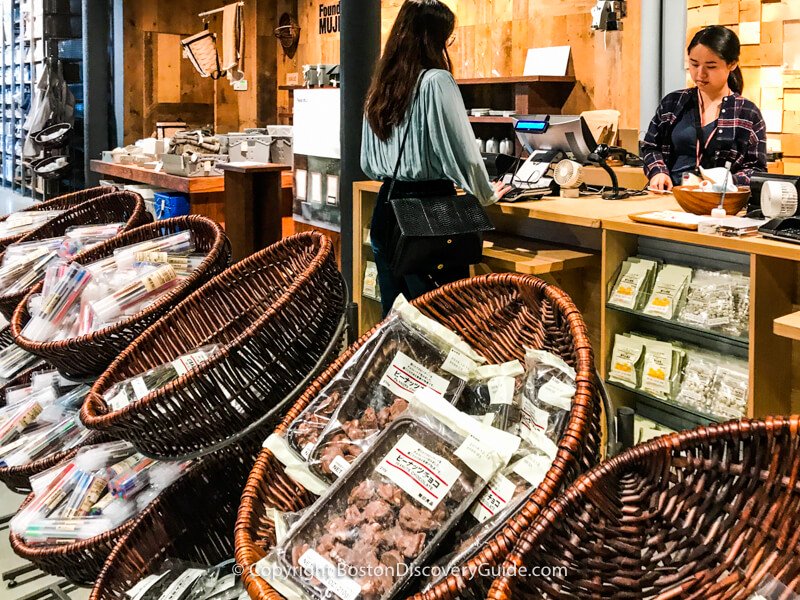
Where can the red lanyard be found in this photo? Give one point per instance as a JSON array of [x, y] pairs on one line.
[[701, 110]]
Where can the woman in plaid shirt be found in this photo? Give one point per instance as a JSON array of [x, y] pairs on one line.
[[710, 124]]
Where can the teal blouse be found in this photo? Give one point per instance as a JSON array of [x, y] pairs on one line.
[[441, 143]]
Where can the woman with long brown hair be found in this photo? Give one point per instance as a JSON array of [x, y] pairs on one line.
[[413, 90]]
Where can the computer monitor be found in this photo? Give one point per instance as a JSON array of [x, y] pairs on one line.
[[566, 133]]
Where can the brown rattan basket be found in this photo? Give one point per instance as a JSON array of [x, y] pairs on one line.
[[499, 315], [707, 513], [64, 202], [199, 531], [89, 355], [274, 314], [81, 562], [114, 207], [18, 479]]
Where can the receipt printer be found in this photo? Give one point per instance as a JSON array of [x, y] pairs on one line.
[[773, 196]]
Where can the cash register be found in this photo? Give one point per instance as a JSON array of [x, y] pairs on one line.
[[547, 139]]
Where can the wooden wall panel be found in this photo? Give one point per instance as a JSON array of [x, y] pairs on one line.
[[162, 85], [770, 62], [492, 39]]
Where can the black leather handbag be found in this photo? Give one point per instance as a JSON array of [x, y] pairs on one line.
[[435, 232]]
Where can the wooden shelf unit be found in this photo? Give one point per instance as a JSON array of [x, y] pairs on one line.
[[602, 237]]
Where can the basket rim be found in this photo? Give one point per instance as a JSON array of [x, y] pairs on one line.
[[92, 413], [136, 213], [662, 446], [578, 427], [220, 240]]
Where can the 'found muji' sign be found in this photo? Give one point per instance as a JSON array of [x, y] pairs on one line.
[[329, 18]]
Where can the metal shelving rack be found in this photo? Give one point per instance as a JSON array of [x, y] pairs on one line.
[[26, 46]]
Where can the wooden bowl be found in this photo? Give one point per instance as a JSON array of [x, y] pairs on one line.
[[701, 203]]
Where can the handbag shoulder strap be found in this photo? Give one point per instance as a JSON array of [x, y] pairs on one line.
[[405, 135]]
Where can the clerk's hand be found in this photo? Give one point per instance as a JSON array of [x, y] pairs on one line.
[[661, 182], [500, 189]]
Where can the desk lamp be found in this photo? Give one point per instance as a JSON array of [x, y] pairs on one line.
[[599, 156]]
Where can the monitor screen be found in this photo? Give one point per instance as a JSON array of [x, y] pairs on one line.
[[567, 133]]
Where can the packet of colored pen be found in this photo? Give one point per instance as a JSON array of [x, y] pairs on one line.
[[151, 281], [156, 250], [19, 276], [14, 360], [57, 437], [135, 388], [26, 251], [89, 459], [55, 306], [65, 531], [26, 221]]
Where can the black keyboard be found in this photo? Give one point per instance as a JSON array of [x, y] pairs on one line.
[[793, 233], [521, 194]]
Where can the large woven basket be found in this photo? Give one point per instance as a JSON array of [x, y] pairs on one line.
[[114, 207], [90, 354], [707, 513], [18, 479], [499, 315], [197, 531], [81, 562], [275, 314], [64, 202]]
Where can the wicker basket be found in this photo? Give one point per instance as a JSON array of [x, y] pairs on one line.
[[91, 354], [499, 315], [706, 513], [18, 479], [114, 207], [226, 470], [64, 202], [275, 314], [168, 528]]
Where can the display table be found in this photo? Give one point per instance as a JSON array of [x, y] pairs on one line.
[[262, 187], [580, 244]]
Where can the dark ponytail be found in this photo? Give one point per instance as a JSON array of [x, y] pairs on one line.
[[725, 44]]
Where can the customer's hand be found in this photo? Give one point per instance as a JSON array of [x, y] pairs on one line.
[[500, 189], [661, 181]]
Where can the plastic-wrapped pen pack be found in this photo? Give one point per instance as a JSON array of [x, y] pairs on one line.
[[409, 352], [388, 513], [101, 488], [20, 223], [41, 418], [77, 300], [26, 263], [180, 580]]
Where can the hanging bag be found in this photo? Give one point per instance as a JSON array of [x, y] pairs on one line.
[[436, 232]]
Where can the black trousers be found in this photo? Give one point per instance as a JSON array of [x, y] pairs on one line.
[[381, 230]]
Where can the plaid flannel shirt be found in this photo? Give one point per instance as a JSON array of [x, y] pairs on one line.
[[741, 136]]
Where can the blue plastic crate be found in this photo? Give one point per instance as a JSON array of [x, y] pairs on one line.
[[170, 204]]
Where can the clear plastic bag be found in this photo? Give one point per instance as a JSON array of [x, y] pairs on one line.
[[64, 293], [20, 223], [101, 488], [388, 513], [711, 300], [547, 396], [698, 377], [121, 394], [728, 395], [496, 391]]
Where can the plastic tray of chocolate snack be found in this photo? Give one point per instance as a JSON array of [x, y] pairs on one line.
[[404, 362], [374, 385], [384, 517]]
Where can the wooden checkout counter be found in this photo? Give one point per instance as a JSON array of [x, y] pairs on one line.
[[579, 244]]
